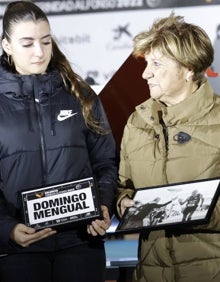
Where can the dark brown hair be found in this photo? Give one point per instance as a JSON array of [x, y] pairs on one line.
[[22, 11]]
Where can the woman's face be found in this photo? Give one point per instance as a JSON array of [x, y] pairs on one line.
[[30, 47], [167, 80]]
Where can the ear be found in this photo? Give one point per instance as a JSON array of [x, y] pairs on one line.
[[189, 75], [6, 46]]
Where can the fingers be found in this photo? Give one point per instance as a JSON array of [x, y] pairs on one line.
[[106, 218], [99, 227], [96, 228], [126, 203], [37, 236], [24, 236]]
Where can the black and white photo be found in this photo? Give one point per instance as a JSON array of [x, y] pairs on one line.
[[181, 203]]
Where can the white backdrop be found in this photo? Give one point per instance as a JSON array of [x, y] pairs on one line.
[[97, 43]]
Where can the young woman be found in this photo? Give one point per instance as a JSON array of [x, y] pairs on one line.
[[52, 130]]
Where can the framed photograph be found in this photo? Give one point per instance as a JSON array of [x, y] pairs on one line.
[[175, 204], [70, 202]]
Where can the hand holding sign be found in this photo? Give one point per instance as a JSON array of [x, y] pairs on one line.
[[24, 236], [99, 226]]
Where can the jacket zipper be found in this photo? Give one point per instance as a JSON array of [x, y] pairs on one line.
[[165, 135], [39, 121], [164, 130]]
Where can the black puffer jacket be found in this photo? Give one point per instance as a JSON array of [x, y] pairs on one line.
[[43, 141]]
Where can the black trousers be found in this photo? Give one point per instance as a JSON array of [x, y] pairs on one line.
[[78, 264]]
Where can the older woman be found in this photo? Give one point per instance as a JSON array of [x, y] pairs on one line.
[[174, 137]]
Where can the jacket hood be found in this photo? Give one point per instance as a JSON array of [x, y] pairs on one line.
[[27, 88], [17, 86]]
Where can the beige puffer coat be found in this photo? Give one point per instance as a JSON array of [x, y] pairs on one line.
[[151, 155]]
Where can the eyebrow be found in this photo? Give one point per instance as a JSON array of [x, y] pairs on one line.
[[31, 38]]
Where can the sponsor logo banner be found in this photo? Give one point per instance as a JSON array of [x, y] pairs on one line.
[[55, 7]]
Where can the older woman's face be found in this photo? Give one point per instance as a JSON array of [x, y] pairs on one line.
[[30, 47], [166, 78]]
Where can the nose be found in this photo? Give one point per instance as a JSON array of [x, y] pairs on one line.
[[147, 73], [38, 50]]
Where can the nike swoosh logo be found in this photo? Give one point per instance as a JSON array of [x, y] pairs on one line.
[[61, 117]]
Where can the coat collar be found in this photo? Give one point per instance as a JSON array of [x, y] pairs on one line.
[[192, 108]]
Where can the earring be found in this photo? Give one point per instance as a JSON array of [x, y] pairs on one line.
[[9, 60], [187, 78]]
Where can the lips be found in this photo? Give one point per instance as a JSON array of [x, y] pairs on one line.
[[151, 85], [38, 63]]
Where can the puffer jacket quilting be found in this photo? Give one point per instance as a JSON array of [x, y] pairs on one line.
[[40, 147], [148, 160]]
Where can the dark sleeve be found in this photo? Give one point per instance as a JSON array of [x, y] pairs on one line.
[[102, 151], [7, 223]]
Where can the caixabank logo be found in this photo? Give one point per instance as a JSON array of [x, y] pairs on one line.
[[121, 37]]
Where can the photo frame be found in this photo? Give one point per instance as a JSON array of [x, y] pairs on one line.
[[161, 207], [61, 204]]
